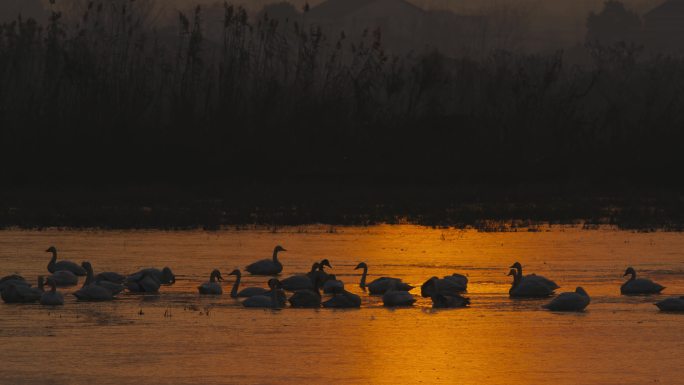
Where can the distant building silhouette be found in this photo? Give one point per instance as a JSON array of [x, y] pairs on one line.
[[664, 27]]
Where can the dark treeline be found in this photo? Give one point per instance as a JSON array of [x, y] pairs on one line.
[[109, 98]]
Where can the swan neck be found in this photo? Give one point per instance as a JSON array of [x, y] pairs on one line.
[[633, 276], [363, 277], [234, 292], [274, 298], [53, 260], [89, 276], [275, 255]]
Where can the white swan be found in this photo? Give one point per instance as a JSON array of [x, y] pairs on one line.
[[332, 284], [443, 299], [212, 286], [115, 288], [164, 276], [543, 280], [639, 285], [63, 278], [270, 300], [571, 301], [91, 292], [52, 297], [14, 293], [382, 284], [54, 266], [147, 283], [671, 304], [529, 288], [452, 284], [300, 281], [342, 299], [267, 266], [14, 279], [397, 297], [307, 298], [246, 292]]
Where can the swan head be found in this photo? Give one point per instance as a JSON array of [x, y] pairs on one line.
[[629, 271], [513, 272], [167, 275], [580, 290], [325, 262], [361, 265], [51, 249], [217, 275], [516, 265], [236, 272], [274, 284], [86, 265], [279, 249]]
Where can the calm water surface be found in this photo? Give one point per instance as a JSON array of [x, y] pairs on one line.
[[179, 338]]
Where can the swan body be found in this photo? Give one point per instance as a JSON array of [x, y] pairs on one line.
[[212, 286], [639, 285], [91, 291], [270, 300], [267, 266], [63, 278], [300, 281], [382, 284], [528, 288], [540, 279], [52, 297], [446, 298], [54, 266], [393, 297], [308, 298], [671, 304], [14, 293], [148, 283], [343, 299], [332, 284], [14, 279], [246, 292], [115, 288], [164, 276], [452, 284], [572, 301], [111, 276]]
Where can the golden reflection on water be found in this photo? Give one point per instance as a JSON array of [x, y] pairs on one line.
[[183, 339]]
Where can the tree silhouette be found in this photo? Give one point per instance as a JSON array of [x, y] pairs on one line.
[[615, 23]]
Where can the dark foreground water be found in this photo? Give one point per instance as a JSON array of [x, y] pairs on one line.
[[178, 337]]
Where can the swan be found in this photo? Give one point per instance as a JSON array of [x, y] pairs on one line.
[[342, 299], [639, 285], [442, 299], [212, 286], [111, 276], [300, 281], [309, 298], [147, 283], [331, 284], [90, 291], [452, 284], [14, 279], [671, 304], [115, 288], [397, 297], [63, 278], [54, 266], [164, 276], [52, 297], [267, 266], [14, 293], [552, 285], [246, 292], [382, 284], [572, 301], [530, 288], [268, 300], [321, 271]]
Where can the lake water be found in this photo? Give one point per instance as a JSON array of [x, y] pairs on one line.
[[178, 337]]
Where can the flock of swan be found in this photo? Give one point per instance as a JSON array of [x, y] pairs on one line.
[[446, 292]]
